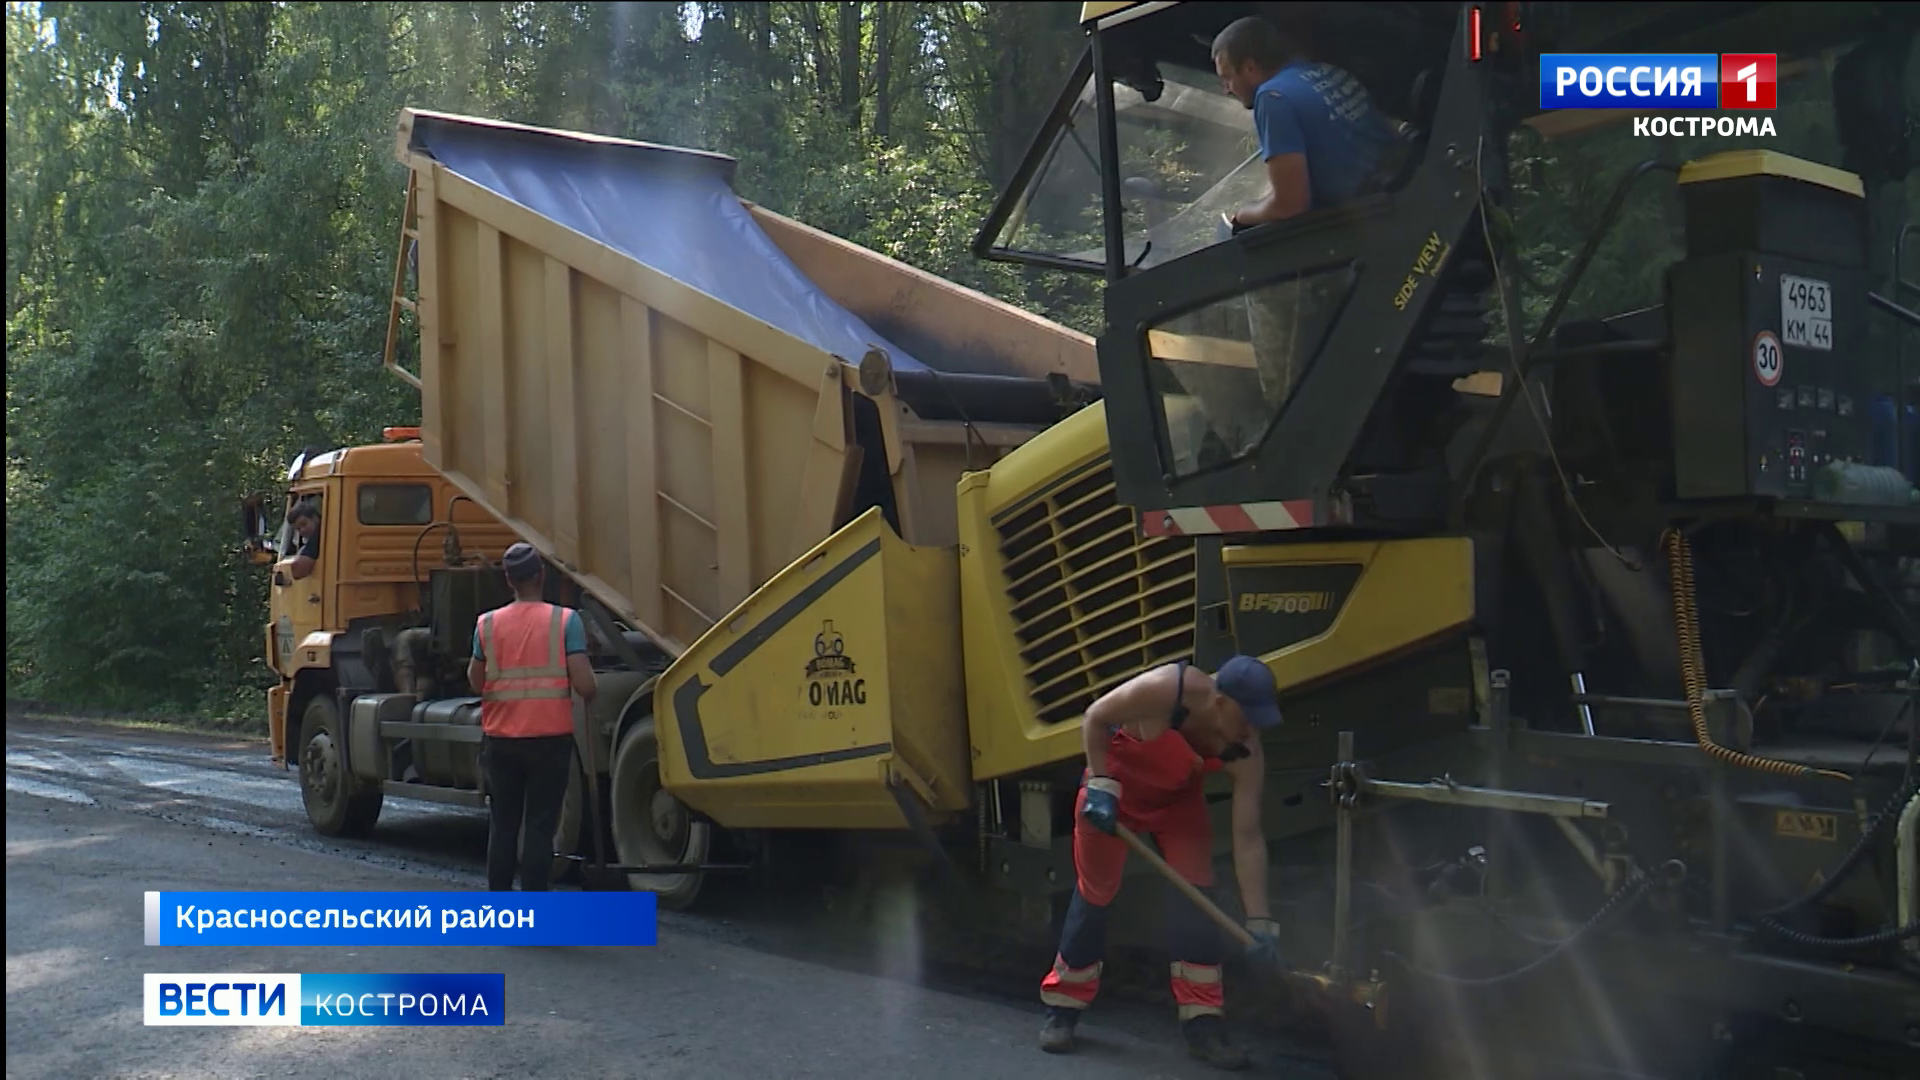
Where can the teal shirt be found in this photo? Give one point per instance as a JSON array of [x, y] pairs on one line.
[[573, 635]]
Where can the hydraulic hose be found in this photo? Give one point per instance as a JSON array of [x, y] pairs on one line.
[[1839, 945], [1847, 865], [1769, 921], [1617, 905], [1693, 672]]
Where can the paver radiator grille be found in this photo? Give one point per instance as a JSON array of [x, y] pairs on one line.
[[1093, 601]]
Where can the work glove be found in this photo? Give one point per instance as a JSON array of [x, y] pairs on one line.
[[1266, 942], [1102, 807]]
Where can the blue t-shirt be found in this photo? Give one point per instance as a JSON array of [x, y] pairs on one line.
[[573, 636], [1322, 112]]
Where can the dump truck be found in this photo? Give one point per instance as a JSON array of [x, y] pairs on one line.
[[1567, 706], [746, 447]]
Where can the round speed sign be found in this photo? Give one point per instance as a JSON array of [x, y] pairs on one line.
[[1767, 360]]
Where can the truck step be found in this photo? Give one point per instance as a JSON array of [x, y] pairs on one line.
[[663, 868]]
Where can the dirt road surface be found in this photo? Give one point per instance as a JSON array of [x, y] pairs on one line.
[[96, 816]]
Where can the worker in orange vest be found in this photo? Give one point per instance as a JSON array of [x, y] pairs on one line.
[[529, 659]]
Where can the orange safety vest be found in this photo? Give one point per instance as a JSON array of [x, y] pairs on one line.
[[527, 693]]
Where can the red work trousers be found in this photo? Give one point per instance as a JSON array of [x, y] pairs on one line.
[[1184, 835]]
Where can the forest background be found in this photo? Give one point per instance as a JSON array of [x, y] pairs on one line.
[[202, 212]]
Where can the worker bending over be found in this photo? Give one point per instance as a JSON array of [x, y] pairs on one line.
[[1150, 743]]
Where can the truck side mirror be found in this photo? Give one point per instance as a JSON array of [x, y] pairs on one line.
[[256, 538]]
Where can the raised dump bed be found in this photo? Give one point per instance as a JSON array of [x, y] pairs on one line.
[[630, 367]]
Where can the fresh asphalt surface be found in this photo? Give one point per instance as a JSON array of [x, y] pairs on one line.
[[97, 816]]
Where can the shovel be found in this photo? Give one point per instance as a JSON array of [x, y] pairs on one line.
[[1302, 987], [1192, 892]]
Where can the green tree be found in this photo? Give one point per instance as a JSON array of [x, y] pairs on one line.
[[202, 214]]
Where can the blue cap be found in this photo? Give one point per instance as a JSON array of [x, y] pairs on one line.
[[522, 562], [1250, 684]]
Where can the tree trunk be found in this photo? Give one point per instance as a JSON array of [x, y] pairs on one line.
[[822, 69], [883, 71], [762, 15], [850, 66]]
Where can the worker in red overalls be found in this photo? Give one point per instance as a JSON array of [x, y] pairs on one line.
[[1150, 742], [529, 659]]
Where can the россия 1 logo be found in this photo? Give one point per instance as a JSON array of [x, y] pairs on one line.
[[1665, 82], [1629, 81], [1749, 80]]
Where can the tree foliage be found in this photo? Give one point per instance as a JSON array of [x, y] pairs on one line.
[[203, 208]]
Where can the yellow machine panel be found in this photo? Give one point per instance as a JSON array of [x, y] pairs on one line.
[[1090, 13], [1316, 610], [1324, 615], [832, 687], [1062, 598]]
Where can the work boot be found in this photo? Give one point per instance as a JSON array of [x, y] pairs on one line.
[[1057, 1036], [1207, 1041]]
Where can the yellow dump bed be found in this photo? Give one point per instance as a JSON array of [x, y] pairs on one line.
[[673, 394]]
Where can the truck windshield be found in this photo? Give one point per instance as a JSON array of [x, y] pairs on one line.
[[1186, 157]]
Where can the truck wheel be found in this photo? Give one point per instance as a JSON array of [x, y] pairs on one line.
[[336, 803], [650, 826]]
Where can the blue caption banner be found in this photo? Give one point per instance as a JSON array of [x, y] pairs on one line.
[[252, 999], [401, 918], [1630, 81], [403, 1000]]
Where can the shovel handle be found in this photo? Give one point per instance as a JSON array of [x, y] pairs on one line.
[[1209, 908]]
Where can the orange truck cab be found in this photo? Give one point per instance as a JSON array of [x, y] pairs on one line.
[[380, 623]]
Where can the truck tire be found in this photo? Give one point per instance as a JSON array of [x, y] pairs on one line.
[[337, 803], [651, 827]]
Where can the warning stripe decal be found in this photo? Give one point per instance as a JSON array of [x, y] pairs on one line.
[[1233, 518]]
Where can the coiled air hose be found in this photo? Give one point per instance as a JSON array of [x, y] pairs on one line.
[[1693, 672]]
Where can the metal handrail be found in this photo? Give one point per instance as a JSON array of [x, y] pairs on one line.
[[409, 236]]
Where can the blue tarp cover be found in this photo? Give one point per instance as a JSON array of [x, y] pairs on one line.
[[673, 212]]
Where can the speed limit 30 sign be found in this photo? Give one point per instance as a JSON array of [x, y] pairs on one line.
[[1767, 360]]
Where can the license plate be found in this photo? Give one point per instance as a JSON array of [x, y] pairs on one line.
[[1806, 312]]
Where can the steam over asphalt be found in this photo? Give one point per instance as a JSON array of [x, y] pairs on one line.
[[97, 816]]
